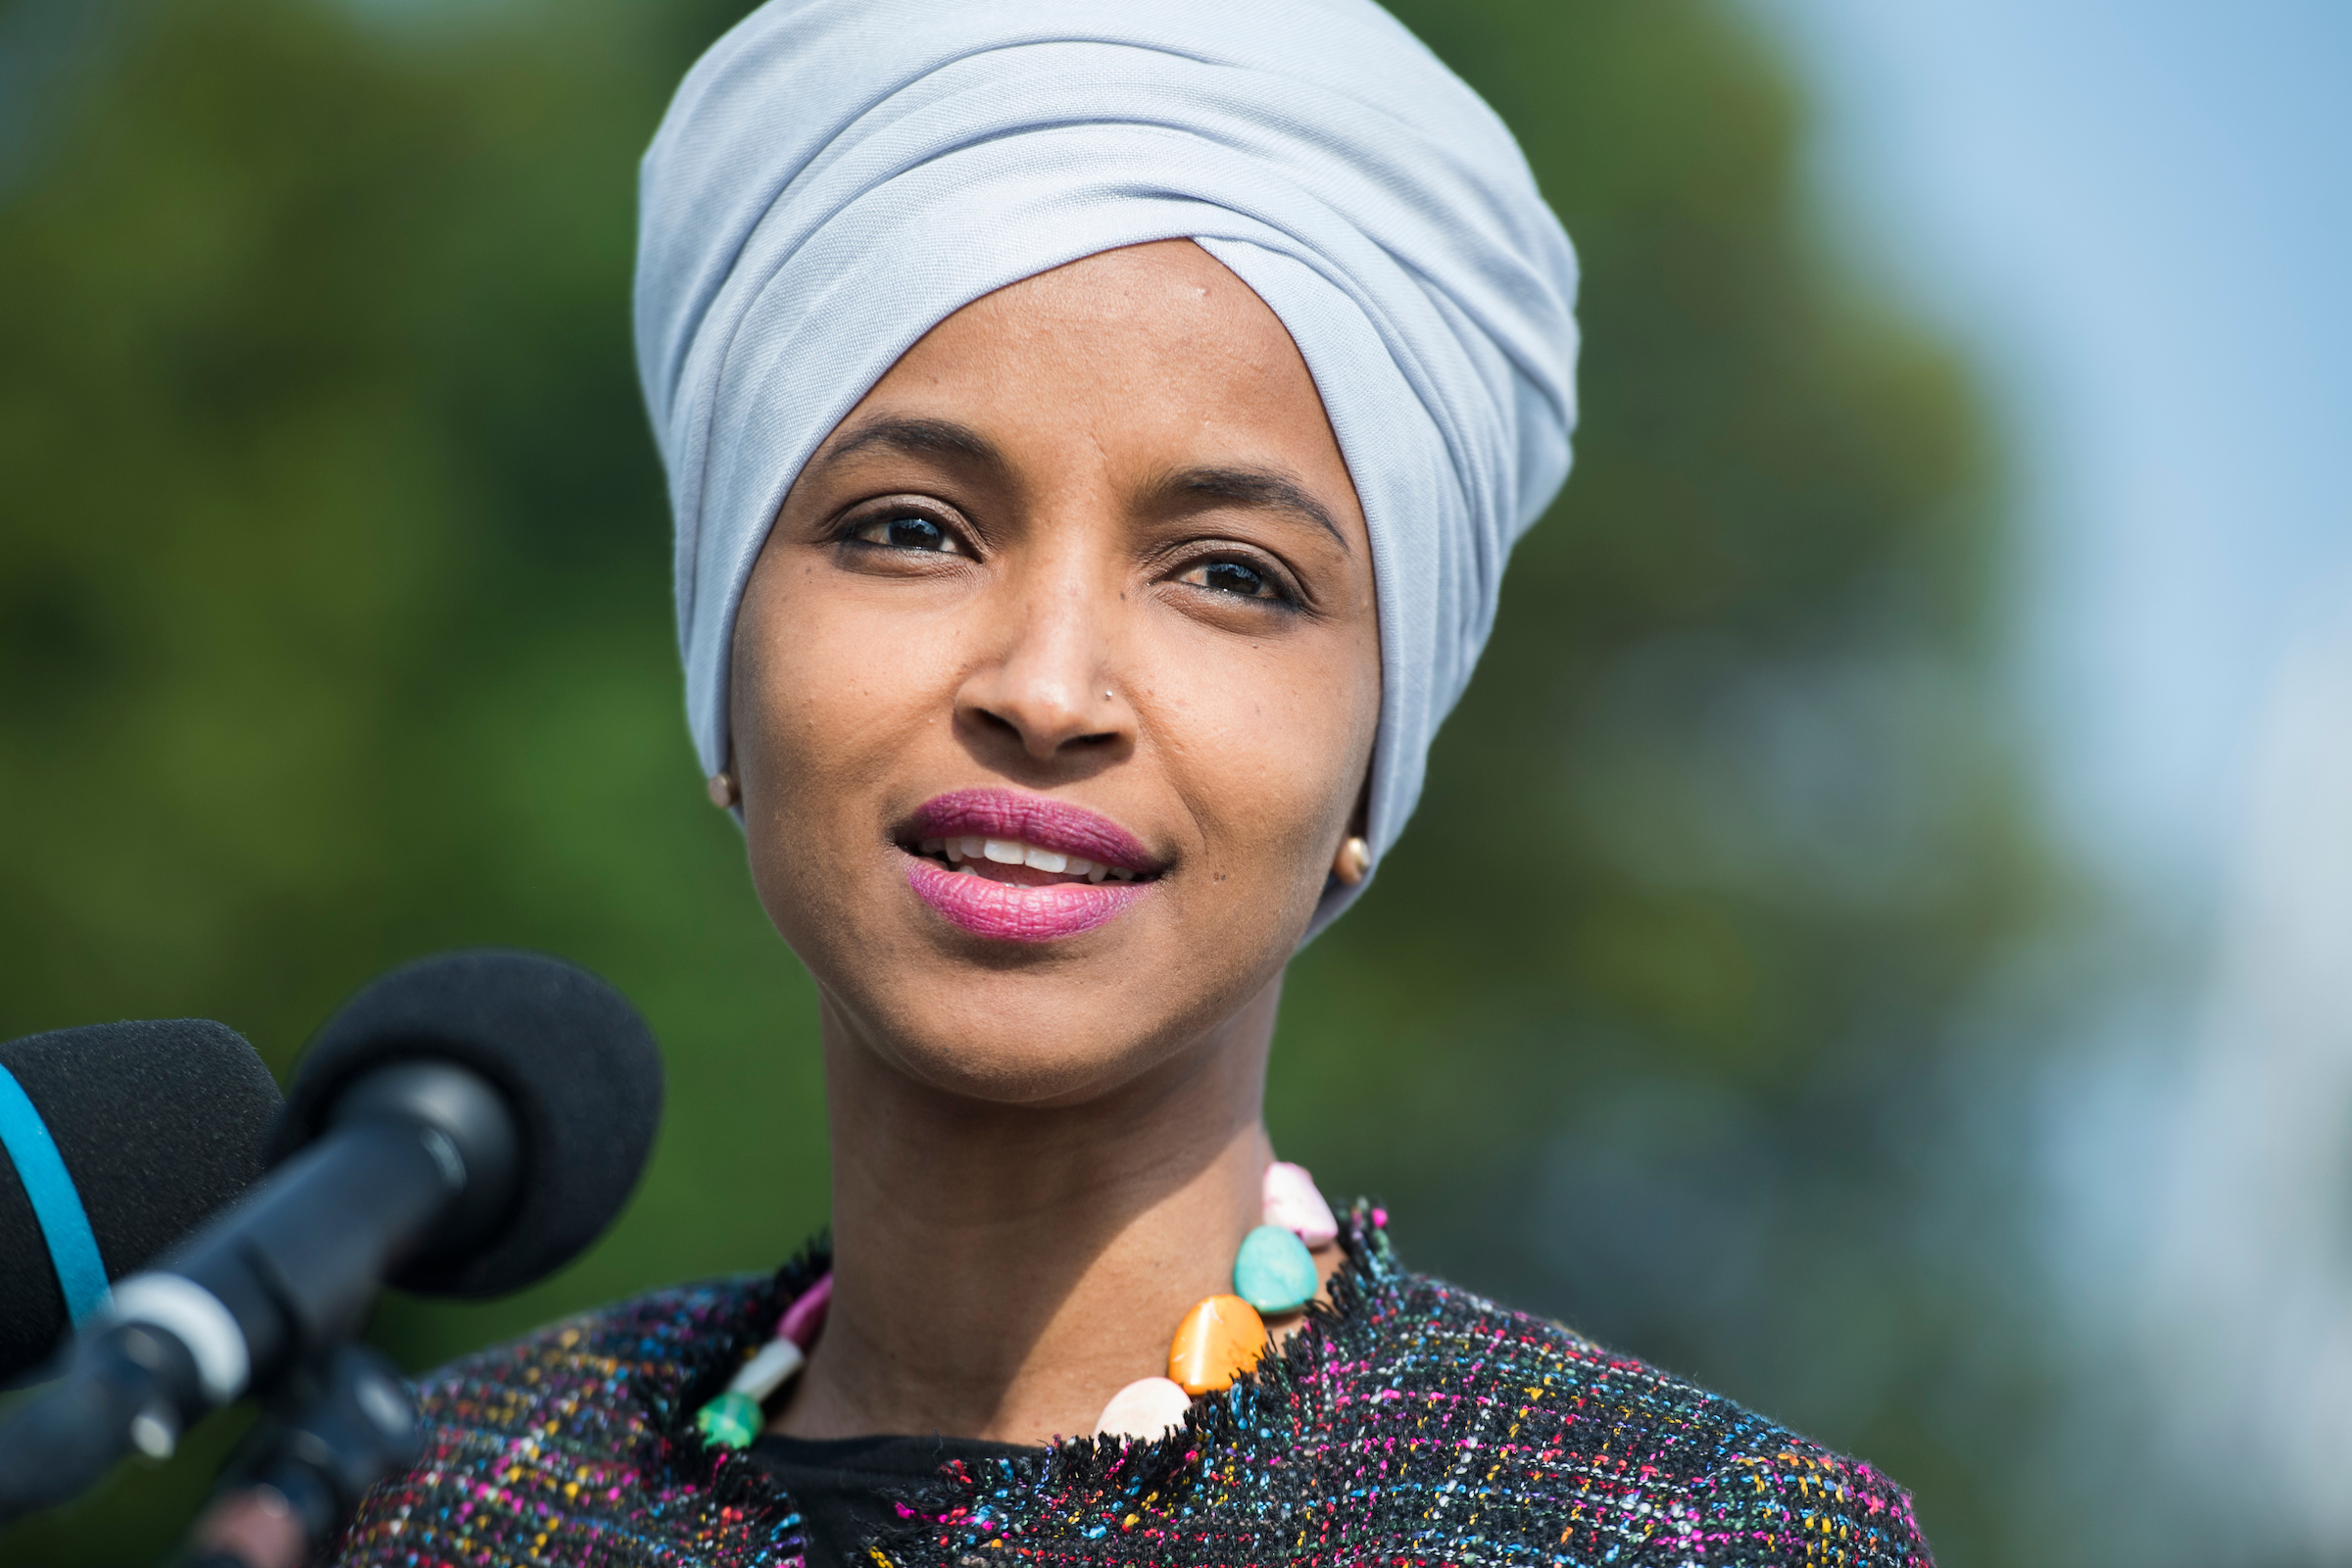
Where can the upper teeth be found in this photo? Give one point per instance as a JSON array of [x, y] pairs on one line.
[[1012, 851]]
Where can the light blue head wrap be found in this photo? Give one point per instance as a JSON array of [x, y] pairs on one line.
[[835, 177]]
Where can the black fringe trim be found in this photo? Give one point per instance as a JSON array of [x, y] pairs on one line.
[[1213, 1426], [1082, 1464], [682, 1452]]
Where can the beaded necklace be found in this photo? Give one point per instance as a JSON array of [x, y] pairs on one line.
[[1274, 1274]]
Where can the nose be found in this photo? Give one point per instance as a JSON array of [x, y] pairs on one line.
[[1043, 690]]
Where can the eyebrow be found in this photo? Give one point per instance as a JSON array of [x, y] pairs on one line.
[[923, 438], [1266, 489]]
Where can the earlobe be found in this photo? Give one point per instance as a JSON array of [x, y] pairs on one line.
[[1354, 862]]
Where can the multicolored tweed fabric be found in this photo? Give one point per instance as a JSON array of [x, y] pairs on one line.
[[1411, 1423]]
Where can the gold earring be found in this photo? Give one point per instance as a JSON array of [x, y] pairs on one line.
[[724, 793], [1354, 862]]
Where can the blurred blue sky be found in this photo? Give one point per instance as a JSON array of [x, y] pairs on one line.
[[2135, 214]]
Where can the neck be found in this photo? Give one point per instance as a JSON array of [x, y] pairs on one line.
[[1001, 1271]]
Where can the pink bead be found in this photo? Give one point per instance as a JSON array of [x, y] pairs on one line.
[[1146, 1408], [1293, 1202], [805, 1318]]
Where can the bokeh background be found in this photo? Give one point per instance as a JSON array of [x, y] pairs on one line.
[[1879, 936]]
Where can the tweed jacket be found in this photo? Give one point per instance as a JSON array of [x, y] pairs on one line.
[[1411, 1423]]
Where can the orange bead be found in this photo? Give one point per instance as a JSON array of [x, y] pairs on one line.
[[1218, 1341]]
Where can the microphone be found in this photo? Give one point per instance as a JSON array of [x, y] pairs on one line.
[[116, 1140], [464, 1126]]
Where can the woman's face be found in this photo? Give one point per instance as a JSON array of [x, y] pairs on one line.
[[1055, 684]]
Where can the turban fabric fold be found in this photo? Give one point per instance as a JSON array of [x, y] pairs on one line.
[[835, 177]]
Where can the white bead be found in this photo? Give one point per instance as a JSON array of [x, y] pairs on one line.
[[763, 1374], [1146, 1408], [1293, 1202]]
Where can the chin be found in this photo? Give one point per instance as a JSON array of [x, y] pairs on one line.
[[1041, 1035], [1054, 992], [1045, 1025], [1048, 1070]]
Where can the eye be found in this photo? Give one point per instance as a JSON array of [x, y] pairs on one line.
[[1231, 578], [907, 530]]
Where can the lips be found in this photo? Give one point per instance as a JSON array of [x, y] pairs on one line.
[[1008, 913], [1016, 867], [1032, 819]]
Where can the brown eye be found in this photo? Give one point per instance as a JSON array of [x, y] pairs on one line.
[[907, 530], [1231, 578]]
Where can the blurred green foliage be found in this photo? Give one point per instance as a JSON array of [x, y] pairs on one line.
[[334, 628]]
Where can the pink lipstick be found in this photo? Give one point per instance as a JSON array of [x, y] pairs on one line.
[[1018, 868], [995, 814]]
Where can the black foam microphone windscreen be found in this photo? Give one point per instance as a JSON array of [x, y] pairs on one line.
[[158, 1123], [572, 1059]]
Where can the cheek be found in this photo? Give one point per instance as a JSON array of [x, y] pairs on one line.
[[806, 697], [1268, 745], [819, 712]]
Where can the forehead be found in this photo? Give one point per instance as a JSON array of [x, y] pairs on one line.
[[1129, 353], [1171, 293]]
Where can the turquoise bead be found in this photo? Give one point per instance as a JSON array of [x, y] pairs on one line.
[[730, 1421], [1274, 1271]]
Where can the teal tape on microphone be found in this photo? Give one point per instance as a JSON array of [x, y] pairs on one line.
[[72, 1247]]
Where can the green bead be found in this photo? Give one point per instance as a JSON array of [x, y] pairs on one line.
[[1274, 1271], [731, 1421]]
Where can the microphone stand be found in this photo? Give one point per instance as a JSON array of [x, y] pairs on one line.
[[346, 1423]]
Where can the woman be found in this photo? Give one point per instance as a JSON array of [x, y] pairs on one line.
[[1096, 430]]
